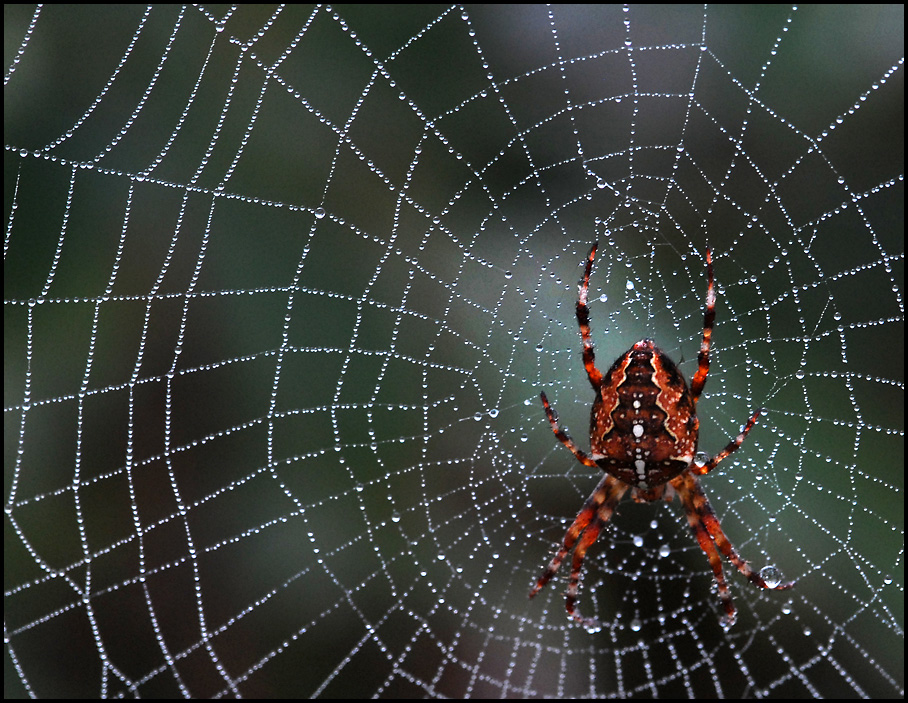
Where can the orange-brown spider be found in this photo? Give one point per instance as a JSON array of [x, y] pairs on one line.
[[643, 435]]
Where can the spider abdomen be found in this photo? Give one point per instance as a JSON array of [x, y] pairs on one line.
[[643, 425]]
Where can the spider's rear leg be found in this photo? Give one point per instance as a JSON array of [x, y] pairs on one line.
[[710, 536], [583, 519], [711, 524], [589, 537], [589, 522], [702, 535]]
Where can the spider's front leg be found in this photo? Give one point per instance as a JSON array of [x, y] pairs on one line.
[[583, 319], [589, 361], [709, 319]]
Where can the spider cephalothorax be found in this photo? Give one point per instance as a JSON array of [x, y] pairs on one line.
[[643, 434]]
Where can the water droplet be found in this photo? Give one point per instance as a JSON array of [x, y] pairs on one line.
[[592, 628], [771, 575]]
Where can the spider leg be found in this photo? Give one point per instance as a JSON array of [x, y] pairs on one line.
[[589, 522], [709, 534], [583, 318], [731, 447], [694, 508], [589, 537], [709, 318], [583, 519], [564, 436]]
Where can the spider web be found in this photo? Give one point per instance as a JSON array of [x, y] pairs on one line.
[[282, 287]]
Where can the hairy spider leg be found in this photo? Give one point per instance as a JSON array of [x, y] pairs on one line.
[[731, 447], [594, 514], [583, 317], [563, 436], [709, 319], [709, 548], [709, 534]]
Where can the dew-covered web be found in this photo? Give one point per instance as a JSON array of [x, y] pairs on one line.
[[282, 287]]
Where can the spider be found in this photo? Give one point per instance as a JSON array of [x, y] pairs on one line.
[[643, 435]]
